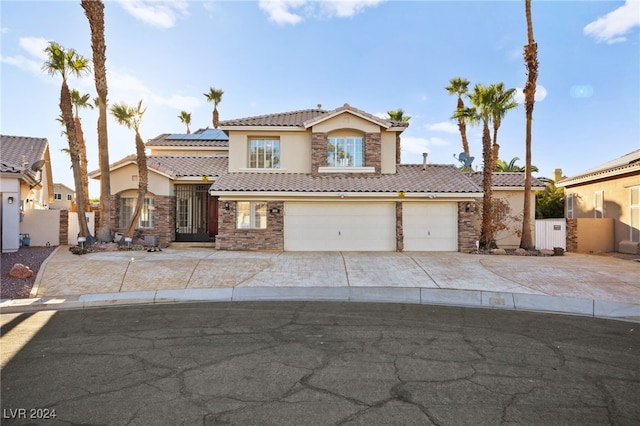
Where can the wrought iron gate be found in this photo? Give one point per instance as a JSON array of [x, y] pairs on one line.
[[192, 213]]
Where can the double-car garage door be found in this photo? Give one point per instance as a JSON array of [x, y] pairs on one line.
[[366, 226]]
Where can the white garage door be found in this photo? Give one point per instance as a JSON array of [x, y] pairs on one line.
[[339, 226], [430, 226]]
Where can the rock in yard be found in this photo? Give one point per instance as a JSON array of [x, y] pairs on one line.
[[546, 252], [520, 252], [498, 251], [20, 271]]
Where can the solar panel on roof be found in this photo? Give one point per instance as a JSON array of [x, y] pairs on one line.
[[204, 135]]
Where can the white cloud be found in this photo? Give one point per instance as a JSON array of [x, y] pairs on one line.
[[612, 27], [161, 14], [35, 46], [443, 126], [412, 146], [178, 102], [292, 12], [4, 30], [23, 63], [541, 94]]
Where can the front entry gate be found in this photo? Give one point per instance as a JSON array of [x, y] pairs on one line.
[[196, 213]]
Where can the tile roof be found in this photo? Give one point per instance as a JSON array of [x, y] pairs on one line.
[[21, 152], [628, 163], [200, 138], [303, 118], [409, 178], [506, 179], [176, 166]]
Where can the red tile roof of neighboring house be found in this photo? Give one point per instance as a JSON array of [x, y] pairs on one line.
[[409, 178], [304, 118], [506, 179]]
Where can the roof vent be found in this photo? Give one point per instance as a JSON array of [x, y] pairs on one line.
[[424, 160]]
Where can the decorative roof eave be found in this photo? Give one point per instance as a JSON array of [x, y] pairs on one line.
[[432, 196], [604, 174], [351, 110], [126, 162], [265, 128]]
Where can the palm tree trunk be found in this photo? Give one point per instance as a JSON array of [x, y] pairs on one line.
[[66, 107], [487, 237], [462, 126], [496, 148], [143, 182], [216, 118], [94, 10], [531, 60], [83, 163]]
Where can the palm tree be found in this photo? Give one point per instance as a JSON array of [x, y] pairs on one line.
[[460, 86], [94, 10], [66, 63], [130, 118], [398, 115], [503, 166], [82, 101], [215, 96], [502, 103], [482, 99], [531, 60], [185, 117]]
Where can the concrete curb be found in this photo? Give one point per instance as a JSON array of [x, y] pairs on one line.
[[425, 296]]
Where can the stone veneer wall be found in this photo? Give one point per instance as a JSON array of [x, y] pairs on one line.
[[64, 227], [231, 238], [164, 219], [468, 234], [572, 235], [399, 227], [372, 155]]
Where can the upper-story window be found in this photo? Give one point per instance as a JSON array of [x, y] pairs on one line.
[[69, 197], [264, 154], [345, 151], [57, 196]]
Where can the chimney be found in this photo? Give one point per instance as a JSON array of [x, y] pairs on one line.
[[424, 160], [557, 175]]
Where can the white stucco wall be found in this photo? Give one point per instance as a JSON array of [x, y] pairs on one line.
[[10, 214], [295, 150]]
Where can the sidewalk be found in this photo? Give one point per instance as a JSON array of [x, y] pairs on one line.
[[573, 284]]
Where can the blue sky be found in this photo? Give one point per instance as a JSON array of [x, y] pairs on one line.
[[276, 56]]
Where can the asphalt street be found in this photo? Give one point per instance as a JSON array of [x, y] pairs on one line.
[[317, 363]]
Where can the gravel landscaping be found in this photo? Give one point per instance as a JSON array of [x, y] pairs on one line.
[[33, 257]]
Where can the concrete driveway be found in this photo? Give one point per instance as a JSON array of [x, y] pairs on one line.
[[573, 283]]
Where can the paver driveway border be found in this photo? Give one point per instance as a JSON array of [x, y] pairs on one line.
[[575, 284]]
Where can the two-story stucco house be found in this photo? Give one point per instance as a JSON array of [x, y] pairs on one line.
[[318, 180]]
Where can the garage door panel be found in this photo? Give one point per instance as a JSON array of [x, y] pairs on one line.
[[339, 226], [430, 226]]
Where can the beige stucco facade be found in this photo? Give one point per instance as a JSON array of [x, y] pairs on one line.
[[126, 178], [616, 205]]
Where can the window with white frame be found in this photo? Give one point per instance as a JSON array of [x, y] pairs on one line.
[[634, 213], [251, 215], [264, 154], [69, 197], [128, 206], [345, 151], [598, 204], [57, 196], [569, 206]]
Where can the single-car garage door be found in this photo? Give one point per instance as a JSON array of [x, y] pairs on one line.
[[430, 226], [341, 226]]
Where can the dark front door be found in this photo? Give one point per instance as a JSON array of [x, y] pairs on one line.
[[213, 217], [192, 212]]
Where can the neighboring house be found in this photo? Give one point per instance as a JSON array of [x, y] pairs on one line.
[[26, 184], [181, 169], [63, 197], [611, 190], [316, 180], [509, 188]]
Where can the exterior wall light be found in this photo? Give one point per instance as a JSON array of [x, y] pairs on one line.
[[467, 207], [226, 205], [10, 200]]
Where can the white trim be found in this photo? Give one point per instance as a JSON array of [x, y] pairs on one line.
[[610, 173], [346, 169], [265, 128], [336, 195]]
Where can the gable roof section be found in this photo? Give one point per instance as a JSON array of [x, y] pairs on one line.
[[20, 152], [628, 163], [409, 178], [306, 118], [506, 180], [200, 138], [176, 166]]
